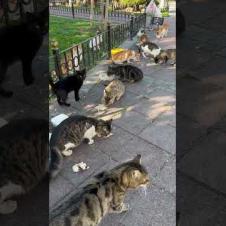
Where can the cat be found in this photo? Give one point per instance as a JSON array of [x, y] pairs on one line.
[[68, 84], [21, 43], [24, 154], [162, 31], [141, 32], [165, 55], [125, 73], [125, 56], [71, 133], [149, 48], [103, 195], [113, 92], [180, 23]]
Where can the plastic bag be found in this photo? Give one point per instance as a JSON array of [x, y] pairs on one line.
[[153, 9]]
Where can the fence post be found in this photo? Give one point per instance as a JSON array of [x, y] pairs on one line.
[[131, 27], [73, 10], [56, 54], [109, 40]]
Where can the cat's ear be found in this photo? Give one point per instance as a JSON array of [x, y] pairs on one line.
[[137, 159]]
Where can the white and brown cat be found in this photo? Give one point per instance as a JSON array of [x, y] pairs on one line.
[[125, 56]]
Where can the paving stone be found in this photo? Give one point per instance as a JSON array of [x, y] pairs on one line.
[[154, 209], [197, 204], [167, 177], [208, 161], [133, 122], [59, 187], [162, 136], [167, 117]]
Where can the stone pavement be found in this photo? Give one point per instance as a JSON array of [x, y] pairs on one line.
[[144, 122], [201, 115]]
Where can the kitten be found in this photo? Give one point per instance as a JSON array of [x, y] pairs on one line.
[[141, 32], [104, 195], [113, 92], [24, 154], [22, 42], [125, 57], [162, 30], [149, 48], [125, 73], [68, 84], [180, 23], [165, 55], [71, 133]]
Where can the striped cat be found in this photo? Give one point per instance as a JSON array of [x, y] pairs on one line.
[[162, 30], [113, 92], [70, 134], [104, 195], [125, 73], [24, 156]]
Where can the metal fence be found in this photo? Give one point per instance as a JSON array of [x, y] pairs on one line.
[[84, 12], [88, 53]]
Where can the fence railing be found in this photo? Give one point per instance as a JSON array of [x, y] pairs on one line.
[[84, 12], [88, 53]]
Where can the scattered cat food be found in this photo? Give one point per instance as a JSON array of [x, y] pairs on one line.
[[79, 166], [58, 119]]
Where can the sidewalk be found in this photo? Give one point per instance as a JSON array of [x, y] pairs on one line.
[[144, 122]]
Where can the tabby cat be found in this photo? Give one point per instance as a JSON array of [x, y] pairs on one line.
[[165, 55], [125, 73], [104, 195], [24, 157], [66, 85], [22, 42], [70, 134], [125, 56], [162, 31], [113, 92]]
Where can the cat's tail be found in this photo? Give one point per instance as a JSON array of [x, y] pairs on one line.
[[56, 162]]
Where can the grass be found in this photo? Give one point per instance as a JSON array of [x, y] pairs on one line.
[[71, 31]]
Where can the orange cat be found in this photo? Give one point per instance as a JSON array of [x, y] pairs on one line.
[[162, 30], [125, 56]]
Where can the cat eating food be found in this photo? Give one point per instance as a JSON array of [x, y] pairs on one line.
[[104, 195], [125, 56], [162, 31], [21, 43], [150, 49], [24, 156], [66, 85], [165, 55], [71, 133], [125, 73], [113, 92]]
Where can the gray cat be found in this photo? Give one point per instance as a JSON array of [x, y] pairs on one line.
[[70, 134], [23, 159]]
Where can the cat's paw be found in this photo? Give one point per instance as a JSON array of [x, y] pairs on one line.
[[125, 207], [8, 207], [29, 81], [91, 142], [67, 152]]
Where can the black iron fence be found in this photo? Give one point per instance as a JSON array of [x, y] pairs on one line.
[[73, 11], [88, 53]]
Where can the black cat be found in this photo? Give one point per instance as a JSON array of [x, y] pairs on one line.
[[125, 73], [180, 23], [22, 42], [64, 86]]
